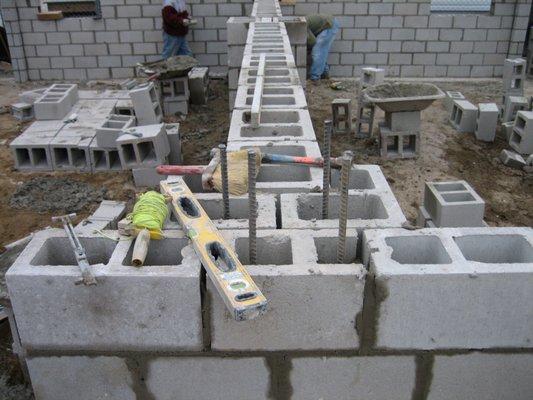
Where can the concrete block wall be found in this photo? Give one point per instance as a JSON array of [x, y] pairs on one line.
[[412, 315], [405, 37]]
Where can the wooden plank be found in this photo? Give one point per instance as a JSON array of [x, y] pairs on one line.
[[50, 15]]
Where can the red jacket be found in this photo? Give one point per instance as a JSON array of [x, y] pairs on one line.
[[173, 21]]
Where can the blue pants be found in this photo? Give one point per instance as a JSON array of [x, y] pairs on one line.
[[175, 46], [320, 51]]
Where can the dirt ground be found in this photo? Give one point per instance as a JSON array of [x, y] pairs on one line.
[[446, 155]]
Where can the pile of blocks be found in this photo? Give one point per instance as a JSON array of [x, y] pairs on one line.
[[91, 131], [434, 313]]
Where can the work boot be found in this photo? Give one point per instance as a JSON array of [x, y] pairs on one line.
[[325, 75]]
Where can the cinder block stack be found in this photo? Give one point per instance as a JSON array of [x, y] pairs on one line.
[[365, 110], [514, 77], [432, 313]]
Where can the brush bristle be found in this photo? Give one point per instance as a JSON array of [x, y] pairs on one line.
[[237, 172]]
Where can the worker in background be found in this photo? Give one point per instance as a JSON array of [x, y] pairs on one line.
[[176, 23], [321, 31]]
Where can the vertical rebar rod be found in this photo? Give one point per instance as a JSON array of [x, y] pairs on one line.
[[225, 180], [252, 206], [328, 126], [343, 212]]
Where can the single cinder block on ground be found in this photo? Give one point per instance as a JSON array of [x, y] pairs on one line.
[[372, 76], [450, 98], [199, 378], [455, 285], [22, 111], [521, 139], [112, 128], [175, 88], [514, 76], [81, 377], [487, 121], [114, 315], [396, 144], [403, 121], [488, 376], [512, 159], [174, 141], [368, 378], [293, 270], [463, 116], [146, 104], [199, 85], [285, 178], [341, 111], [173, 107], [453, 204], [512, 105], [143, 146], [52, 106]]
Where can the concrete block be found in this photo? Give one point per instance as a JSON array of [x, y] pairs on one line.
[[80, 377], [341, 111], [124, 107], [70, 89], [199, 378], [114, 315], [489, 271], [174, 89], [396, 144], [372, 76], [293, 270], [274, 97], [272, 77], [105, 217], [450, 98], [521, 139], [199, 85], [285, 178], [112, 128], [52, 106], [22, 111], [367, 209], [276, 125], [514, 76], [171, 107], [487, 121], [237, 30], [147, 177], [32, 152], [507, 129], [369, 378], [463, 116], [513, 104], [71, 152], [174, 141], [482, 375], [146, 104], [403, 121], [104, 159], [453, 204], [143, 146], [512, 159]]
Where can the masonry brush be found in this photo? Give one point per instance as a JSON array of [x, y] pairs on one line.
[[238, 168]]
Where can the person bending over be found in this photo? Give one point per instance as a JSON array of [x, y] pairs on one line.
[[176, 23], [321, 31]]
